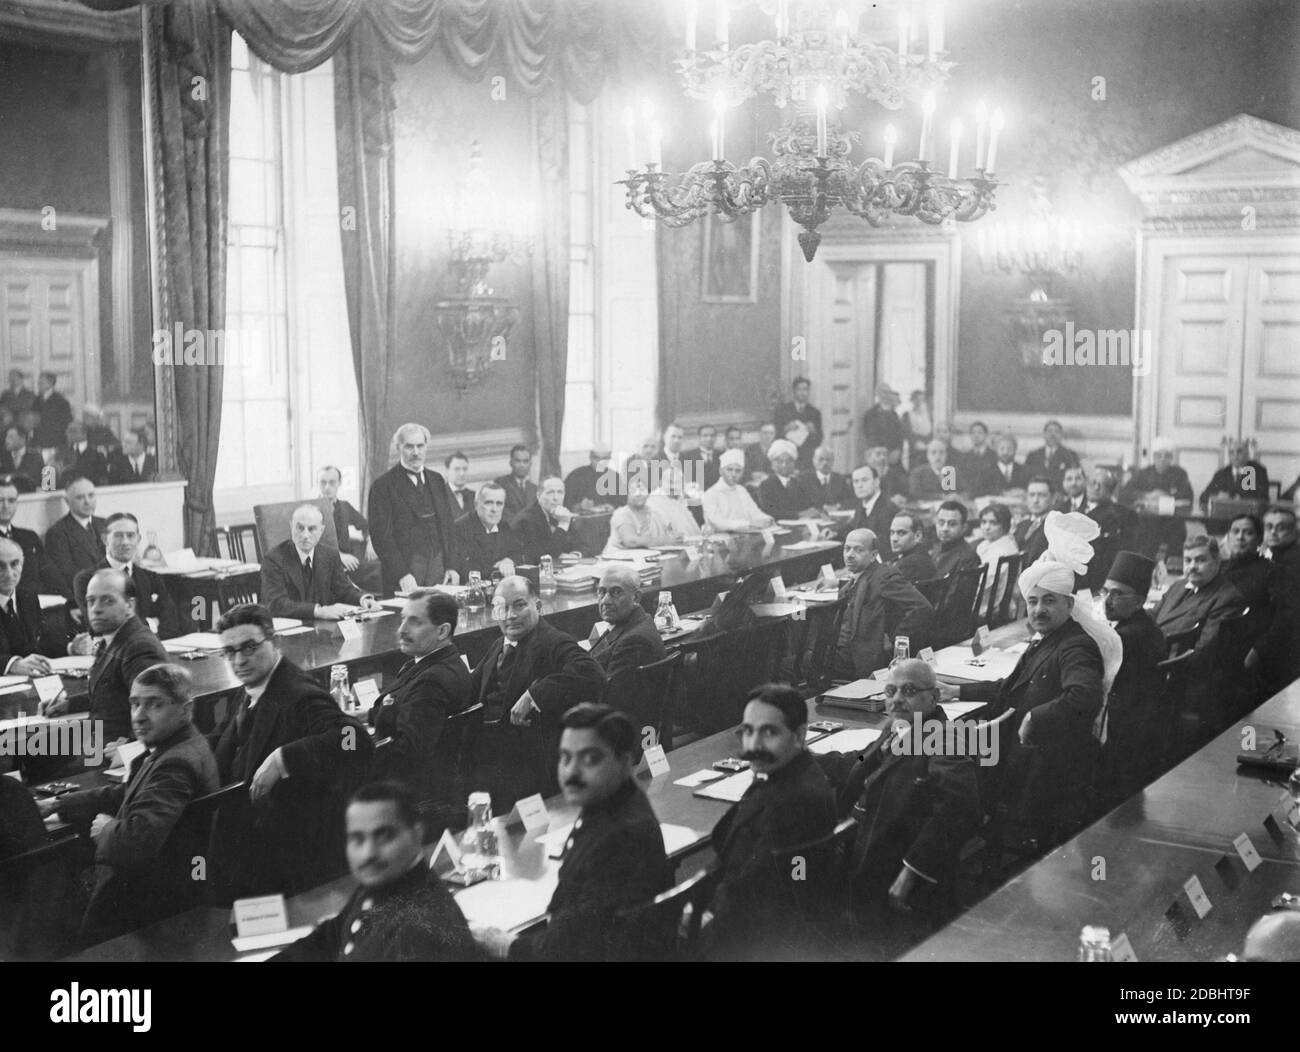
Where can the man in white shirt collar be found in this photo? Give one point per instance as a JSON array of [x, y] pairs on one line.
[[1075, 486], [80, 498], [11, 572]]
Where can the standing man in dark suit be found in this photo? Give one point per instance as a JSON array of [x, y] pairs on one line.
[[303, 578], [131, 463], [411, 516], [79, 457], [38, 574], [55, 413], [882, 604], [143, 872], [705, 454], [872, 509], [75, 542], [790, 803], [24, 643], [631, 639], [21, 461], [807, 414], [881, 426], [910, 558], [520, 492], [543, 527], [462, 497], [1052, 458], [526, 681], [827, 487], [352, 531], [153, 603], [484, 542], [125, 648], [299, 755], [613, 860], [1030, 535], [411, 718]]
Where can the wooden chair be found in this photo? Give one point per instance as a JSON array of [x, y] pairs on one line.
[[933, 590], [661, 929], [957, 614], [721, 670], [812, 644], [452, 759], [40, 902], [237, 589], [1183, 642], [238, 539], [647, 694], [816, 874], [1181, 723], [1002, 596]]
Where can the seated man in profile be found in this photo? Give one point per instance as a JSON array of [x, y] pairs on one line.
[[727, 503], [909, 555], [399, 911], [882, 604], [1202, 596], [613, 860], [631, 639], [952, 553], [484, 541], [303, 578]]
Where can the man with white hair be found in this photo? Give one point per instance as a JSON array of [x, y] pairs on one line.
[[1241, 478], [1053, 694], [727, 504], [827, 487], [781, 495], [1163, 478], [303, 578], [411, 518]]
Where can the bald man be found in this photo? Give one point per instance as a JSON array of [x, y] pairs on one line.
[[882, 604], [305, 579], [23, 641], [631, 639], [1274, 937]]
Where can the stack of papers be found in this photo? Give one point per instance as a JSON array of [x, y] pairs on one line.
[[729, 789], [960, 663], [192, 641], [72, 664], [854, 740], [800, 546]]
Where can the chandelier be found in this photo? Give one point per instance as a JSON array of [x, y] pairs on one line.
[[815, 63], [475, 324]]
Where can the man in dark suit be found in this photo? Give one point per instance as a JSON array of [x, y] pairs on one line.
[[790, 803], [462, 497], [1136, 724], [399, 911], [828, 488], [411, 516], [76, 541], [1119, 525], [1052, 458], [352, 531], [131, 463], [528, 678], [298, 754], [1029, 534], [24, 643], [781, 494], [1054, 693], [1202, 596], [303, 578], [17, 397], [79, 457], [757, 464], [872, 509], [705, 455], [631, 639], [1241, 478], [144, 860], [979, 462], [882, 604], [417, 744], [1163, 478], [807, 414], [484, 541], [909, 556], [520, 492], [881, 426], [1005, 472], [153, 603], [21, 461], [55, 413], [1074, 490], [613, 860], [543, 527], [38, 574], [125, 649], [951, 553], [592, 484], [936, 479]]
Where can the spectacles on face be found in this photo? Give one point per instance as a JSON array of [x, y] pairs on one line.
[[519, 606], [616, 593], [244, 649], [908, 690]]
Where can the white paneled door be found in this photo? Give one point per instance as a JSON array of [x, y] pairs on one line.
[[49, 322]]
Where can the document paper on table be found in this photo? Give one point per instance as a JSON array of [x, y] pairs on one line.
[[729, 789]]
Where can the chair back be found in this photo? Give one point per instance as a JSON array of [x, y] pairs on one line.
[[957, 614], [647, 694], [1002, 590], [452, 759], [1183, 642], [1178, 716], [933, 590], [719, 672], [243, 543], [659, 930], [237, 589], [40, 906], [816, 874], [812, 643]]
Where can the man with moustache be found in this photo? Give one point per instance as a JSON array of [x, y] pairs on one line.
[[1074, 490], [1202, 596], [631, 639], [1031, 538], [881, 604], [399, 911], [613, 859], [909, 555], [1005, 472], [952, 553], [790, 803], [484, 540], [527, 679], [728, 507], [418, 735], [154, 605], [543, 528]]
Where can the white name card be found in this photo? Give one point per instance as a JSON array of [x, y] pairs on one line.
[[1246, 849], [779, 590], [982, 634], [48, 687], [1196, 895], [1165, 505], [656, 761], [351, 629], [1122, 950], [446, 854], [532, 812], [367, 692], [261, 916], [927, 655]]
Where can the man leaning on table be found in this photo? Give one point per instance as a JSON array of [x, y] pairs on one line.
[[303, 578], [613, 859]]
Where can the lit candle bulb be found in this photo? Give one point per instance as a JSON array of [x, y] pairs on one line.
[[821, 120], [904, 27], [629, 123], [927, 123], [935, 21], [719, 126], [656, 143], [996, 126], [782, 19], [724, 23], [981, 134], [891, 137], [647, 115], [954, 149], [691, 14], [842, 27]]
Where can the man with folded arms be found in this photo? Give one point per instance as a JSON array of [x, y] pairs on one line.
[[484, 541], [543, 527], [143, 872], [303, 578], [631, 639], [153, 604], [910, 558], [727, 503], [613, 859], [882, 604], [952, 553], [399, 911]]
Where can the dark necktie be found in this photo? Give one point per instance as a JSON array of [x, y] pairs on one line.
[[100, 646], [241, 719], [505, 659], [308, 578], [418, 479]]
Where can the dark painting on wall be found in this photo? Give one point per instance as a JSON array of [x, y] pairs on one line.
[[730, 263]]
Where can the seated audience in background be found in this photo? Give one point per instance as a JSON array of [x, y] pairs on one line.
[[1136, 722], [1162, 478], [757, 464], [484, 541], [462, 497], [1005, 473], [76, 541], [979, 463], [79, 457], [670, 503], [131, 463], [1119, 525], [153, 603], [24, 642], [297, 754], [827, 487], [520, 491], [144, 860], [882, 427], [914, 813], [1244, 565], [1240, 479], [635, 525], [1030, 535], [614, 858], [543, 527], [908, 554], [126, 648], [881, 604], [936, 479], [872, 509], [351, 530], [38, 573], [1202, 596], [411, 716], [727, 503], [799, 410], [592, 484], [705, 455], [411, 518], [892, 477], [530, 676], [781, 494], [951, 552], [54, 412], [17, 398], [303, 578], [638, 465], [400, 910], [789, 804], [1074, 490], [1053, 457], [20, 461], [631, 640], [99, 436], [150, 439]]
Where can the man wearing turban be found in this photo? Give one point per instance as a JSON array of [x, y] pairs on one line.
[[781, 495], [727, 504]]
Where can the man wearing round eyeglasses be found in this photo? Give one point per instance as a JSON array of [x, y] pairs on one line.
[[527, 680], [631, 639], [299, 755]]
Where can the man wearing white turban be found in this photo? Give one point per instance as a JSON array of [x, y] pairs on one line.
[[1054, 693], [781, 495], [727, 504]]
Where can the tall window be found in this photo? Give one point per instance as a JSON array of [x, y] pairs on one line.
[[580, 407]]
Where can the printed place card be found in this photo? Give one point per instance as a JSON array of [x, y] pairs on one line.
[[1246, 849], [1196, 895], [261, 916], [367, 692], [656, 761], [532, 812], [351, 629], [1121, 949], [48, 687]]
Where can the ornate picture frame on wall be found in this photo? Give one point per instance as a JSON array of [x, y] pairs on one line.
[[729, 263]]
